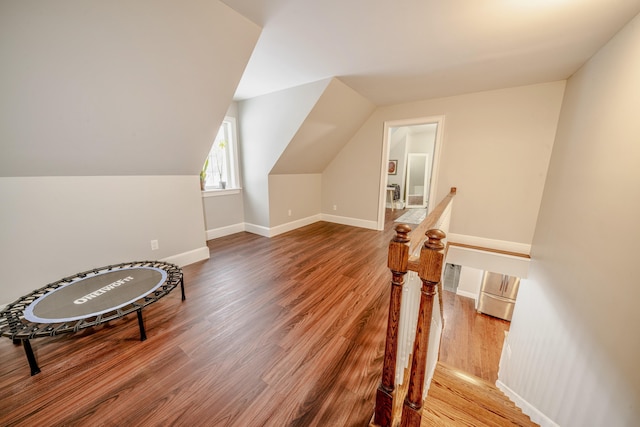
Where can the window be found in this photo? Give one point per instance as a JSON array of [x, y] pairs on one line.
[[220, 169]]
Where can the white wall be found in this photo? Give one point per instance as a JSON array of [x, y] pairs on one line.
[[267, 125], [293, 132], [409, 139], [489, 261], [398, 151], [335, 117], [469, 282], [496, 150], [53, 227], [573, 349]]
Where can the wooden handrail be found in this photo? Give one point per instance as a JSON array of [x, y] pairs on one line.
[[417, 236], [428, 265]]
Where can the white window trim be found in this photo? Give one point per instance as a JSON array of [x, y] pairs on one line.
[[233, 159], [215, 192]]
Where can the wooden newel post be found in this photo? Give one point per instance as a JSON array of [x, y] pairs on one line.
[[429, 271], [398, 261]]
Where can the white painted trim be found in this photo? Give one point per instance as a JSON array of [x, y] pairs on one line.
[[488, 261], [257, 229], [501, 245], [354, 222], [220, 192], [399, 205], [384, 169], [283, 228], [527, 408], [382, 196], [468, 295], [189, 257], [214, 233]]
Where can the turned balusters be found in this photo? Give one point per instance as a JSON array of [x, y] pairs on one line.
[[429, 271], [398, 260]]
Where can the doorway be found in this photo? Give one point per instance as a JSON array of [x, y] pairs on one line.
[[417, 180], [413, 146]]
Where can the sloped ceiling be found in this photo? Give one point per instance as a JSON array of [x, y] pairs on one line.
[[400, 51], [116, 88], [337, 115]]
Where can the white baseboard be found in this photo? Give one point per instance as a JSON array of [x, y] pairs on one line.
[[398, 205], [283, 228], [190, 257], [501, 245], [257, 229], [467, 294], [533, 413], [261, 230], [214, 233], [354, 222]]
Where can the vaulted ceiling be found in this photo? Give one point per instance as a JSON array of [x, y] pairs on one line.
[[108, 88], [116, 88], [393, 51]]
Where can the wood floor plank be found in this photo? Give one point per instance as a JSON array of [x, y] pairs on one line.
[[282, 331], [456, 398]]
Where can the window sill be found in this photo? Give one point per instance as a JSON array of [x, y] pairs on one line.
[[220, 192]]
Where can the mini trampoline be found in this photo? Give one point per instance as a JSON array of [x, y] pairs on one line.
[[88, 299]]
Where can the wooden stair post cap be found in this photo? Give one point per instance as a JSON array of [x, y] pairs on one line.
[[434, 239]]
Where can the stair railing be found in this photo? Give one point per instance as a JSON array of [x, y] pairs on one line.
[[424, 257]]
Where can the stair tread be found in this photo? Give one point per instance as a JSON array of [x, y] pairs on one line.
[[456, 398]]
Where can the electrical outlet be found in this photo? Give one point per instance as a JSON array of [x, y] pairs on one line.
[[289, 212], [154, 245], [335, 207]]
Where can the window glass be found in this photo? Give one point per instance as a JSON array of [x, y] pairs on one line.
[[220, 170]]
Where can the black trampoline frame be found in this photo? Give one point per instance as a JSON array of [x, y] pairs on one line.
[[14, 325]]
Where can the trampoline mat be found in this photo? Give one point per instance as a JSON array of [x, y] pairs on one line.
[[95, 294], [89, 299]]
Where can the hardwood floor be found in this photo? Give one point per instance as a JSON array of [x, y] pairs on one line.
[[286, 331], [471, 341], [458, 399]]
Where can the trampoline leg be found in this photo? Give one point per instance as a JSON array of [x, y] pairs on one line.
[[143, 335], [33, 364], [182, 288]]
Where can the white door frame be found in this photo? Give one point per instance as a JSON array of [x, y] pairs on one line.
[[382, 198]]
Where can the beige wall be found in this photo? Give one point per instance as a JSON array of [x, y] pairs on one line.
[[53, 227], [97, 88], [574, 340], [223, 209], [496, 150], [298, 193], [106, 115]]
